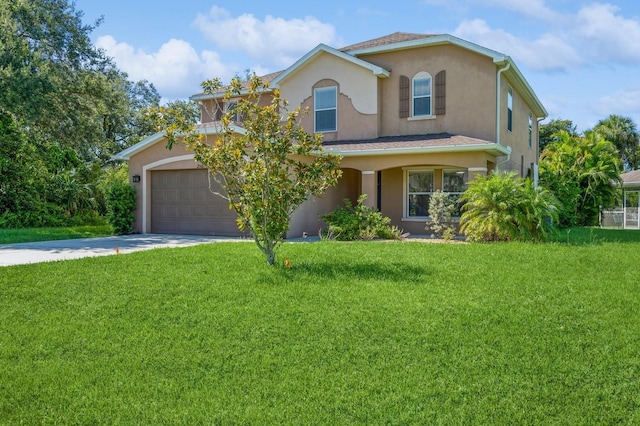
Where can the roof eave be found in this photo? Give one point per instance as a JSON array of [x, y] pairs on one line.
[[490, 148], [428, 41], [126, 154]]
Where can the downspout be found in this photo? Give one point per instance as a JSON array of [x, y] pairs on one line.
[[498, 100], [498, 106], [506, 160]]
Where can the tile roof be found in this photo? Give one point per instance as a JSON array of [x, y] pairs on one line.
[[631, 177], [433, 140], [397, 37]]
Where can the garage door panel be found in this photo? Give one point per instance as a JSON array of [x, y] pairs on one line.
[[181, 202]]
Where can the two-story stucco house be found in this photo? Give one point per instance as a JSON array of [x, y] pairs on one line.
[[409, 113]]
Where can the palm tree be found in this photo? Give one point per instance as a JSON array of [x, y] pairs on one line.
[[503, 207], [623, 133]]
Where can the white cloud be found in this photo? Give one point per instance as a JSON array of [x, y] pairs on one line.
[[272, 40], [625, 102], [536, 9], [532, 8], [596, 33], [176, 69], [606, 36], [548, 52]]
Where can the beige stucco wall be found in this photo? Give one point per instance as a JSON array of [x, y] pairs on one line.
[[357, 95], [518, 138], [470, 91], [352, 125], [208, 107], [307, 217]]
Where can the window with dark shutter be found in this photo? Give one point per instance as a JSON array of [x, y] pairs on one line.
[[405, 96], [441, 85]]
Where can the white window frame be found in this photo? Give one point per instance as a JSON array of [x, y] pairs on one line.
[[510, 109], [316, 109], [405, 192], [422, 75], [466, 172], [230, 106], [530, 131]]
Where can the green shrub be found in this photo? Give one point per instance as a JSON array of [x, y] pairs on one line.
[[121, 203], [359, 222], [503, 207], [441, 209], [40, 214]]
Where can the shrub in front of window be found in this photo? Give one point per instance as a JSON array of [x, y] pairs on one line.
[[503, 207], [359, 222], [441, 210]]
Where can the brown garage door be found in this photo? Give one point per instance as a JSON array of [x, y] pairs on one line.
[[181, 203]]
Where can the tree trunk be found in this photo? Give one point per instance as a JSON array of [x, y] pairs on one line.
[[271, 255]]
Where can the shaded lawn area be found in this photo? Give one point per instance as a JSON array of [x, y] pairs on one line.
[[595, 235], [353, 333], [27, 235]]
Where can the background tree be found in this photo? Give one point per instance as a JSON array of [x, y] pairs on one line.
[[623, 133], [549, 131], [266, 171], [65, 107], [582, 172]]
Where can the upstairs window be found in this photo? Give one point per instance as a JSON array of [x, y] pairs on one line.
[[509, 109], [326, 108], [422, 94], [231, 108], [530, 131]]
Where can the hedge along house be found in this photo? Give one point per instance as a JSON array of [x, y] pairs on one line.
[[409, 113]]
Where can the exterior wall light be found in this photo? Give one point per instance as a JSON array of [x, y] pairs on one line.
[[135, 178]]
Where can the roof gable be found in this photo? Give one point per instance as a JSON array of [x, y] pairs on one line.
[[323, 48]]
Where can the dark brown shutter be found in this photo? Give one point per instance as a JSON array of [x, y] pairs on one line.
[[405, 96], [441, 85]]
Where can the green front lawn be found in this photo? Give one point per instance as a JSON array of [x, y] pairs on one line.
[[26, 235], [353, 333]]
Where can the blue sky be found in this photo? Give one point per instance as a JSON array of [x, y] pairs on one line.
[[582, 58]]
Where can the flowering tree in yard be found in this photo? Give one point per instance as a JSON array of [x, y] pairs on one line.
[[267, 170]]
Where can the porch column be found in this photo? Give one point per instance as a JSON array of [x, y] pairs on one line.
[[369, 187]]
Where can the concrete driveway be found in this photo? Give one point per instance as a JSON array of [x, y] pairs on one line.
[[45, 251]]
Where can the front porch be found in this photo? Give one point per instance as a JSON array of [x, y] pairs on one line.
[[399, 180]]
